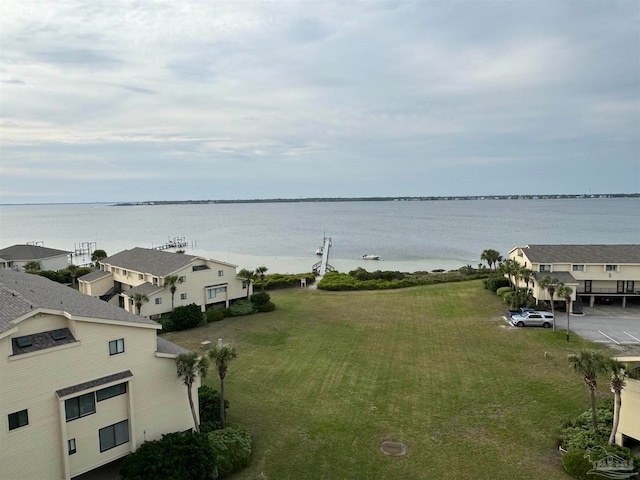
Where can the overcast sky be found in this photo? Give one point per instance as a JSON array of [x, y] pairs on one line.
[[106, 100]]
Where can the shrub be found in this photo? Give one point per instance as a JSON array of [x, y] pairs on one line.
[[209, 400], [494, 282], [576, 465], [215, 315], [231, 449], [502, 291], [268, 307], [260, 299], [188, 316], [167, 324], [279, 280], [241, 307], [186, 456]]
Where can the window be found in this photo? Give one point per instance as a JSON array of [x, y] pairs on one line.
[[158, 301], [18, 419], [183, 296], [71, 445], [140, 276], [124, 272], [545, 268], [611, 268], [116, 346], [81, 406], [182, 279], [577, 268], [155, 280], [110, 392], [221, 273], [113, 435], [212, 292]]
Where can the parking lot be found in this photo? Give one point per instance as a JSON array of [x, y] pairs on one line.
[[607, 324]]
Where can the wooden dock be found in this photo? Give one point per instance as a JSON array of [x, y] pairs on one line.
[[176, 242], [323, 266]]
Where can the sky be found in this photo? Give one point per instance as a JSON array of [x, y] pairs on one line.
[[109, 100]]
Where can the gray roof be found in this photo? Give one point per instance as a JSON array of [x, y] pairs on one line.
[[165, 346], [562, 277], [580, 254], [22, 292], [145, 288], [95, 275], [63, 392], [42, 340], [29, 252], [154, 262]]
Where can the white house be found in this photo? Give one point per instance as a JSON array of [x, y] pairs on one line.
[[205, 282], [82, 382], [16, 256]]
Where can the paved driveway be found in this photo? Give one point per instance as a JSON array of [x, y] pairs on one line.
[[605, 324]]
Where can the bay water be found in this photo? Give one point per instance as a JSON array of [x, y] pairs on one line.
[[407, 235]]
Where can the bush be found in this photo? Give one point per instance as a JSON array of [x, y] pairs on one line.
[[576, 465], [494, 282], [215, 315], [268, 307], [231, 449], [186, 456], [260, 299], [241, 307], [502, 291], [188, 316], [279, 280], [209, 400], [167, 324]]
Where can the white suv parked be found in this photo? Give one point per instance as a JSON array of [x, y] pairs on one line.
[[533, 319]]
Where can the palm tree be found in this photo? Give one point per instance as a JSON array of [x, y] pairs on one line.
[[171, 281], [565, 292], [618, 372], [260, 271], [248, 276], [73, 271], [139, 299], [32, 266], [550, 284], [510, 268], [589, 363], [491, 256], [189, 366], [222, 356], [525, 275], [98, 255]]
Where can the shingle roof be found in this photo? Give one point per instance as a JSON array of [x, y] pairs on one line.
[[63, 392], [23, 292], [95, 275], [578, 254], [562, 277], [145, 288], [165, 346], [29, 252], [145, 260]]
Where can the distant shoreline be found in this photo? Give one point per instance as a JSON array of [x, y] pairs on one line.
[[379, 199]]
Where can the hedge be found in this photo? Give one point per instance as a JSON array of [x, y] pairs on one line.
[[231, 449]]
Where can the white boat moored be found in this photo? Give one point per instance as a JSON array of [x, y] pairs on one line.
[[370, 257]]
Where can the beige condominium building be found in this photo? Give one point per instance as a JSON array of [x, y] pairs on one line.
[[628, 433], [205, 282], [82, 382], [594, 272]]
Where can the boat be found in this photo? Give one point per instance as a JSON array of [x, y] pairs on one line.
[[319, 251], [370, 257]]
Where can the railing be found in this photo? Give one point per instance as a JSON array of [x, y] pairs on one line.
[[607, 291]]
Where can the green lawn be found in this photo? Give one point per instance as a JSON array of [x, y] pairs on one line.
[[321, 381]]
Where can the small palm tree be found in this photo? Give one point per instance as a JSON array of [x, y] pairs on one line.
[[550, 284], [139, 299], [491, 256], [172, 281], [248, 276], [618, 372], [222, 355], [97, 256], [32, 266], [565, 292], [589, 363], [261, 271], [189, 366]]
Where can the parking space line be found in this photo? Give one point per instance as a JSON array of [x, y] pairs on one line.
[[602, 333], [636, 339]]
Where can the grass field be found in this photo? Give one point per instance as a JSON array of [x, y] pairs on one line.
[[321, 381]]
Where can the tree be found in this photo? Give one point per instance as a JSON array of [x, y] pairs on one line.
[[32, 266], [189, 366], [260, 271], [222, 356], [618, 376], [248, 276], [73, 271], [589, 363], [491, 256], [139, 299], [525, 275], [510, 268], [171, 281], [565, 292], [98, 255], [550, 284]]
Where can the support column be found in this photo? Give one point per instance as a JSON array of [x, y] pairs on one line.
[[592, 300], [66, 468]]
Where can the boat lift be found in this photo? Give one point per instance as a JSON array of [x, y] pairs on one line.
[[323, 266]]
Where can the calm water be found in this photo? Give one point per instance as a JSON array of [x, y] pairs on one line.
[[408, 236]]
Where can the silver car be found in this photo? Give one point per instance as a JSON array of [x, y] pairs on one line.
[[533, 319]]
